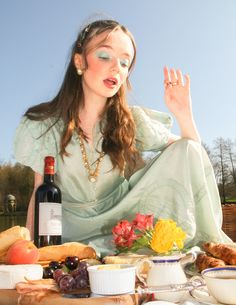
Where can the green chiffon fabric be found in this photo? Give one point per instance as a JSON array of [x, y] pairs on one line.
[[177, 181]]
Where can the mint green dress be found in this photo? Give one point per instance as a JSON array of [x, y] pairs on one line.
[[177, 181]]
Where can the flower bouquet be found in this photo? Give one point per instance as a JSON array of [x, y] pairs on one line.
[[165, 237]]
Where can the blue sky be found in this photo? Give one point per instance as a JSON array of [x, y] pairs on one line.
[[198, 37]]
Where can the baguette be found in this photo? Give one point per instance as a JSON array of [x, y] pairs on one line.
[[60, 252], [9, 237], [90, 261]]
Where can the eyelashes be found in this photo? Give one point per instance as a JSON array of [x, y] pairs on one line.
[[124, 62], [103, 55], [107, 57]]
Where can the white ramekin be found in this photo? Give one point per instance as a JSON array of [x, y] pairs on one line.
[[112, 279]]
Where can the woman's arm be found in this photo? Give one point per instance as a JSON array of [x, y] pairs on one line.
[[38, 179], [178, 100]]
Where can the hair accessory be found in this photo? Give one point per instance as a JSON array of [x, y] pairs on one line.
[[85, 32], [82, 36], [79, 72], [105, 23]]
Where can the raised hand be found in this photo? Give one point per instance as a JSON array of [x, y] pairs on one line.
[[178, 100], [177, 93]]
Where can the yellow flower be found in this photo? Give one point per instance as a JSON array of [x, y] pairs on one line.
[[166, 234]]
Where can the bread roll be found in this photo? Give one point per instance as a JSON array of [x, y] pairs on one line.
[[221, 251], [124, 259], [60, 252], [9, 237]]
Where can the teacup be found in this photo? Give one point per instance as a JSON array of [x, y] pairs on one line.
[[221, 283]]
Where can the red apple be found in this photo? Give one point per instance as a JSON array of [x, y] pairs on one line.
[[22, 252]]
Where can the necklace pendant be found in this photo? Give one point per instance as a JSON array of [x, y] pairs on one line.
[[92, 175], [92, 178]]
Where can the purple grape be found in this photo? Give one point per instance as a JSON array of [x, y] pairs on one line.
[[66, 283], [79, 272], [81, 282], [58, 273], [83, 265], [48, 273], [71, 262], [55, 265]]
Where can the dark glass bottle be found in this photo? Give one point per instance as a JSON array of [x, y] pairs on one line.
[[47, 217]]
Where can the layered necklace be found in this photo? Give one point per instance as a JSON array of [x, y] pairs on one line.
[[92, 174]]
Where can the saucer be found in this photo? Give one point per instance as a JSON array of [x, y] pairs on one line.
[[202, 295], [160, 303]]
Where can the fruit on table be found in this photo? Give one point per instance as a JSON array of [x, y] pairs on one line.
[[66, 283], [48, 273], [9, 236], [55, 265], [68, 279], [58, 274], [22, 252], [71, 262]]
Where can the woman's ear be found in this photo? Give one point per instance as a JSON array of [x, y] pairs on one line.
[[78, 61]]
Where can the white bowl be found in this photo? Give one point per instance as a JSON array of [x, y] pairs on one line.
[[112, 279], [221, 283]]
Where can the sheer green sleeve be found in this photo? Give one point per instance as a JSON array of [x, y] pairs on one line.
[[33, 141], [152, 128]]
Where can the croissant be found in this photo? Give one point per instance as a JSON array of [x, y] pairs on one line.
[[205, 261], [221, 251]]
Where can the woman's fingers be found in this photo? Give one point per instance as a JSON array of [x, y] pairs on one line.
[[180, 77], [187, 80], [166, 76], [175, 77]]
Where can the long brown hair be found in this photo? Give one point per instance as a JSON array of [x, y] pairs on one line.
[[119, 130]]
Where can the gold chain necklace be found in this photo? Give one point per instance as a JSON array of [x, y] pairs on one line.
[[92, 175]]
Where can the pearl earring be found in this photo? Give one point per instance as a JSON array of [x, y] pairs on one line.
[[79, 72]]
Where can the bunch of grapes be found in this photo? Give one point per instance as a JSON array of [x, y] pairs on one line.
[[69, 275]]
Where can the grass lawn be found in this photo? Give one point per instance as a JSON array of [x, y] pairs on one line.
[[231, 200]]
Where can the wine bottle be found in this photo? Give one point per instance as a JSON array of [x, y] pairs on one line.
[[47, 217]]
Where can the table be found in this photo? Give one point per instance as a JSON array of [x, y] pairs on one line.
[[11, 297]]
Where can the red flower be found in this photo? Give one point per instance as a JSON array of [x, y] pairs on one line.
[[124, 234], [143, 222]]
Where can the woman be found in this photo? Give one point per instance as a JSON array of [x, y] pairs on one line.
[[98, 141]]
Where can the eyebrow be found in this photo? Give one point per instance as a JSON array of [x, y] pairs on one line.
[[109, 47]]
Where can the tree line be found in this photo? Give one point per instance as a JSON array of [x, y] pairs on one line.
[[223, 159], [18, 180]]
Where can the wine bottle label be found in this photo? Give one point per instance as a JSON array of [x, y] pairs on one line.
[[50, 218]]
